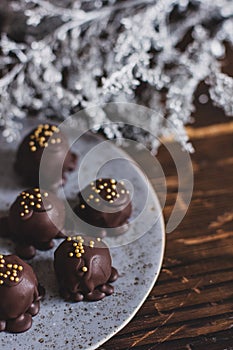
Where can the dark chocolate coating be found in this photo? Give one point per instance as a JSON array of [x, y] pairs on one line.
[[35, 218], [19, 294], [105, 203], [86, 274], [28, 159]]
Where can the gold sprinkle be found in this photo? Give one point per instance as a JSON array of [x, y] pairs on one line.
[[32, 137], [17, 279], [71, 254], [84, 269], [53, 141], [109, 190], [114, 187], [14, 274], [38, 195], [33, 148], [82, 251], [122, 191], [111, 201], [5, 275], [2, 261], [105, 184], [97, 200], [8, 272], [78, 238], [118, 195], [1, 265], [98, 239], [15, 266], [75, 244], [1, 282], [1, 274], [113, 194], [101, 187], [22, 214], [26, 211], [82, 206], [12, 278], [68, 239], [58, 140], [38, 206], [46, 194], [1, 256], [122, 182], [36, 190], [92, 183], [91, 196], [127, 191], [24, 197], [32, 203], [39, 200], [25, 207], [27, 194], [113, 181], [108, 197], [9, 266], [46, 144], [54, 127], [92, 242], [46, 126], [20, 268], [78, 255], [76, 250], [31, 196], [31, 143], [97, 191]]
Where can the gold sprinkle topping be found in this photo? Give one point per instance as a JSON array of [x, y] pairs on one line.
[[91, 196], [82, 206], [122, 191], [97, 200], [38, 206], [71, 254], [1, 256], [1, 282], [1, 265], [98, 239], [68, 239], [32, 204], [46, 194], [78, 255], [15, 266], [33, 148], [84, 269], [31, 196], [113, 181], [20, 268], [9, 266], [108, 197], [2, 261], [75, 244], [109, 190], [17, 279], [26, 211], [22, 214]]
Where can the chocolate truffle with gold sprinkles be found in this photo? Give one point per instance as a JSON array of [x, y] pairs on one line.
[[83, 267], [104, 204], [35, 218], [20, 294], [58, 159]]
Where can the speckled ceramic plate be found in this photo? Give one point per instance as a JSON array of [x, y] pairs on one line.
[[137, 255]]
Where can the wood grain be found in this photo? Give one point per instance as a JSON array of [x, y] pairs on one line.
[[191, 305]]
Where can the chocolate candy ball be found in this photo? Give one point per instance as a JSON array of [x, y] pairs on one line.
[[58, 159], [35, 218], [104, 203], [84, 269], [19, 294]]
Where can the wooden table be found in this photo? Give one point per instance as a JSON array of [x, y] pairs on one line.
[[191, 305]]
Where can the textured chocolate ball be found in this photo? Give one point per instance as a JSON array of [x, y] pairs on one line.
[[104, 203], [83, 267], [35, 218], [20, 294], [58, 159]]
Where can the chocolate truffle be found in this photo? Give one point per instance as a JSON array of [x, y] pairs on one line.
[[104, 203], [84, 269], [35, 218], [58, 159], [20, 294]]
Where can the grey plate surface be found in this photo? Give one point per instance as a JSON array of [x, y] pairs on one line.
[[137, 255]]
